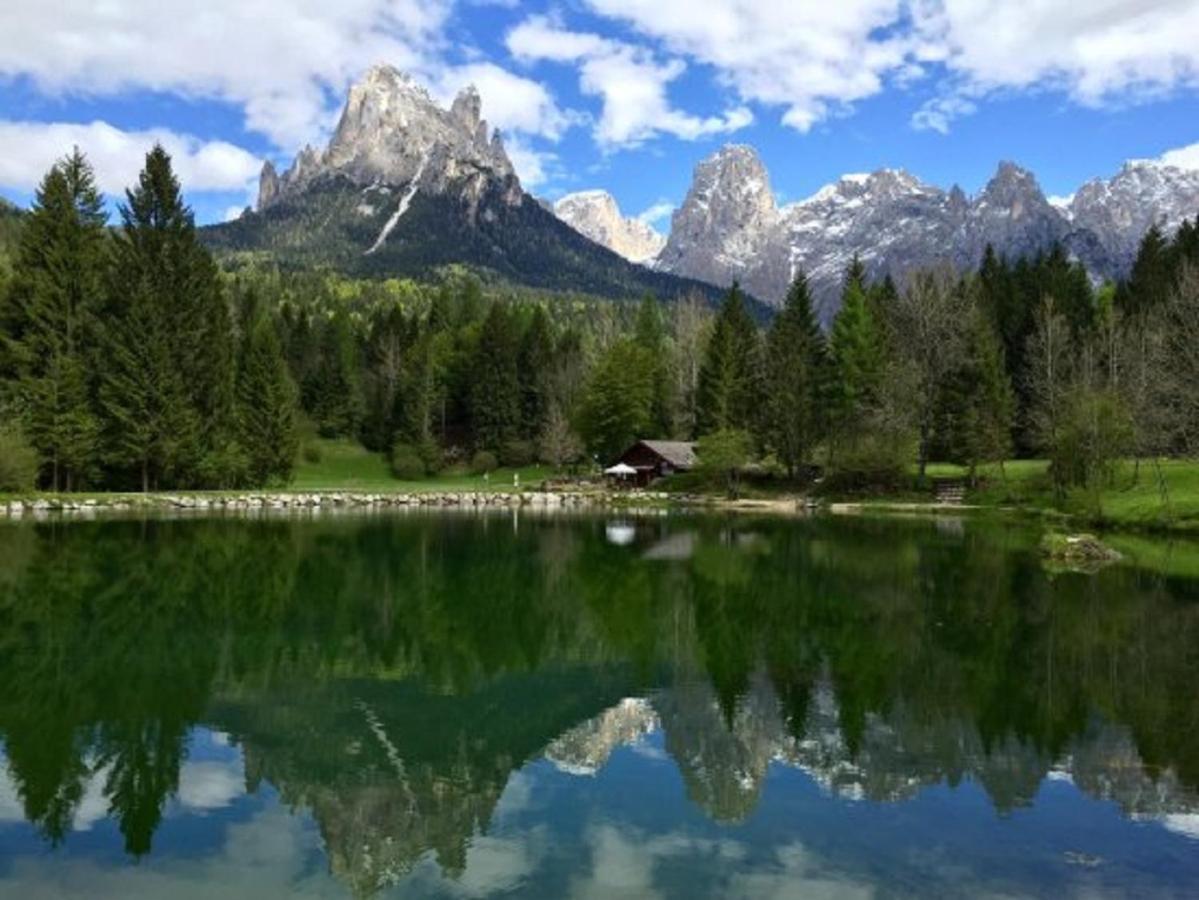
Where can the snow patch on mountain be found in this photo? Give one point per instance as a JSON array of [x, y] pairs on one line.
[[729, 228]]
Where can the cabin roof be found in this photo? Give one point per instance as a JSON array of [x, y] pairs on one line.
[[680, 454]]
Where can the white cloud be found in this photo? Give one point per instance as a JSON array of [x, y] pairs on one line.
[[510, 102], [629, 80], [939, 113], [533, 167], [28, 149], [210, 784], [287, 63], [1098, 52], [801, 56], [1182, 157], [814, 58], [658, 212]]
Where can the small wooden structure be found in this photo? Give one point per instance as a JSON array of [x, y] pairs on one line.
[[657, 459]]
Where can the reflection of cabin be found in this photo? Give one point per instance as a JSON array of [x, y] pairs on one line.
[[656, 459]]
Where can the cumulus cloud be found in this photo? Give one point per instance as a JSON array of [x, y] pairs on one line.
[[1182, 157], [282, 61], [657, 213], [629, 80], [28, 149], [286, 64], [534, 167], [813, 59], [804, 57], [510, 102], [1100, 52]]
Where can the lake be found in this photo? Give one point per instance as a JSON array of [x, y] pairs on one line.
[[466, 705]]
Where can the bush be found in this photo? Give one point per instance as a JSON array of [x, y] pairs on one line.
[[483, 462], [431, 456], [406, 462], [518, 454], [18, 461], [312, 452]]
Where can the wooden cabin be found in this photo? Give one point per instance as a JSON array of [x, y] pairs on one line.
[[657, 459]]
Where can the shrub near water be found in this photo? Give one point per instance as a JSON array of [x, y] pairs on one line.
[[406, 462], [18, 461], [482, 462]]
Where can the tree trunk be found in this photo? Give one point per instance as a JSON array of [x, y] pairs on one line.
[[145, 476]]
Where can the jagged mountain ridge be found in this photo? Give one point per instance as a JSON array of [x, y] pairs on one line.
[[596, 215], [730, 226], [406, 187]]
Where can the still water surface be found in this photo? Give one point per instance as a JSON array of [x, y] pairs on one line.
[[465, 706]]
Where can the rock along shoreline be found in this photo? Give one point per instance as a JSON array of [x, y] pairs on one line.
[[336, 500]]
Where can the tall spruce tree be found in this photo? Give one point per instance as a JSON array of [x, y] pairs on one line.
[[730, 382], [796, 366], [56, 295], [534, 362], [178, 381], [978, 399], [335, 388], [857, 354], [649, 331], [267, 402], [1149, 283], [495, 382]]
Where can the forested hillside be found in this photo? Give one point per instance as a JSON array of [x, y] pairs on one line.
[[130, 360], [332, 226]]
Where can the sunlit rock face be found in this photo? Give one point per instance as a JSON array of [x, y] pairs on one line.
[[596, 215], [585, 748], [392, 132], [723, 755], [730, 226]]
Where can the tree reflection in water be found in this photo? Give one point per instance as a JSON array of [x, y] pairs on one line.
[[389, 674]]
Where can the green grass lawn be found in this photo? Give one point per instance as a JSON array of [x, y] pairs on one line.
[[1134, 499], [347, 466]]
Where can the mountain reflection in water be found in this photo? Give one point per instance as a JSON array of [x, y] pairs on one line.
[[449, 704]]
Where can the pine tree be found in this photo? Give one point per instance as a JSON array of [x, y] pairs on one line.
[[857, 354], [1149, 284], [979, 400], [149, 425], [335, 386], [796, 366], [533, 368], [267, 400], [730, 383], [649, 331], [164, 284], [495, 383], [56, 295]]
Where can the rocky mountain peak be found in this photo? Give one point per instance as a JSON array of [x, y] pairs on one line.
[[735, 178], [268, 185], [729, 227], [1014, 189], [467, 108], [596, 215], [391, 131], [727, 221]]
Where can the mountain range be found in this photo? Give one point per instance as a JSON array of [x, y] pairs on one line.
[[730, 225], [406, 187]]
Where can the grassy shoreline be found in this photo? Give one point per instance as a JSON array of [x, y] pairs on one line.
[[1152, 498]]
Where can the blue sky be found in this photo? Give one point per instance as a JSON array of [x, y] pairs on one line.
[[622, 94]]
